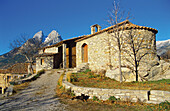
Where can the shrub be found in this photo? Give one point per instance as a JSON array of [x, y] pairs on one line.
[[22, 77], [38, 74], [164, 105], [112, 98], [29, 75], [87, 70], [74, 78], [72, 94], [41, 72], [12, 83], [91, 76], [95, 98]]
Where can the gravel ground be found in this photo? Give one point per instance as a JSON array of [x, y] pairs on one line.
[[39, 96]]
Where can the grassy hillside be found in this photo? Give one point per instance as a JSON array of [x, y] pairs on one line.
[[6, 62]]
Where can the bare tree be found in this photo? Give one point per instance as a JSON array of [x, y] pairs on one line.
[[27, 47], [137, 46], [115, 17]]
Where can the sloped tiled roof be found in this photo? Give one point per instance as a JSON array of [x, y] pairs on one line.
[[122, 25]]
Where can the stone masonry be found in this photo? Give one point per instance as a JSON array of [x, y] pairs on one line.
[[101, 54], [146, 96], [47, 63]]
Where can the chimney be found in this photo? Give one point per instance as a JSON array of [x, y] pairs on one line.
[[95, 28]]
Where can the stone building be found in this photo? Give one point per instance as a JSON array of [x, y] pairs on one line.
[[94, 50], [60, 55], [14, 72]]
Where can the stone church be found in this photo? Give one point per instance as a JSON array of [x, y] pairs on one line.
[[99, 50]]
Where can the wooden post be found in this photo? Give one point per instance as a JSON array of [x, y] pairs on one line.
[[3, 90], [64, 55]]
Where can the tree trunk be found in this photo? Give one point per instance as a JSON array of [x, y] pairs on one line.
[[136, 70], [120, 70], [30, 66]]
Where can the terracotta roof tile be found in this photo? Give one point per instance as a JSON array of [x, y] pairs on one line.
[[128, 25]]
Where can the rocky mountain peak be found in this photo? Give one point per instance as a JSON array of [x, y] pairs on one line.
[[39, 36], [52, 38], [14, 56]]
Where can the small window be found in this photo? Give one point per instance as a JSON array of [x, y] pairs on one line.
[[42, 61]]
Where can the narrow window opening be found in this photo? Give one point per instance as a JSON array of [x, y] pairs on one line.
[[42, 61]]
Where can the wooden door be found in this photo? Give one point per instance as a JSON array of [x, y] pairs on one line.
[[85, 53], [67, 58]]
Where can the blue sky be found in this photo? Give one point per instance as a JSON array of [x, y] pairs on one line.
[[72, 18]]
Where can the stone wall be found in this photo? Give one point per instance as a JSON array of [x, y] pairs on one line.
[[4, 81], [47, 63], [51, 50], [101, 54], [153, 96], [97, 51]]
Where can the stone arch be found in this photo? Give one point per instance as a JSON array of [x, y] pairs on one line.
[[95, 28], [84, 53]]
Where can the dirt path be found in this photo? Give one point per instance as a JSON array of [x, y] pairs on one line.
[[39, 96]]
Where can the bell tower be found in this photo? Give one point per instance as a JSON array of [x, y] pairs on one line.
[[95, 28]]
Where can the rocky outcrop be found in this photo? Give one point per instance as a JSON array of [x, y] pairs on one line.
[[161, 71], [158, 70]]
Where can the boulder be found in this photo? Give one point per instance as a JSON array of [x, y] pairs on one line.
[[162, 71], [127, 74]]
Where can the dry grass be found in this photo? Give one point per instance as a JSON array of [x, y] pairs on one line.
[[92, 80], [60, 88], [20, 87], [68, 76], [90, 105]]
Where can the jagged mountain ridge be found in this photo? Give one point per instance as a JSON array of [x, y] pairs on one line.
[[52, 38], [14, 56]]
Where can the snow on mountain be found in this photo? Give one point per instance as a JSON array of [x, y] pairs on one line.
[[163, 47], [39, 36], [52, 38], [161, 44]]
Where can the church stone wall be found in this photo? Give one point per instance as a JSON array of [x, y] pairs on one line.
[[99, 53]]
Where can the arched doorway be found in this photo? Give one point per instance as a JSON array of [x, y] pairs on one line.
[[84, 53]]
